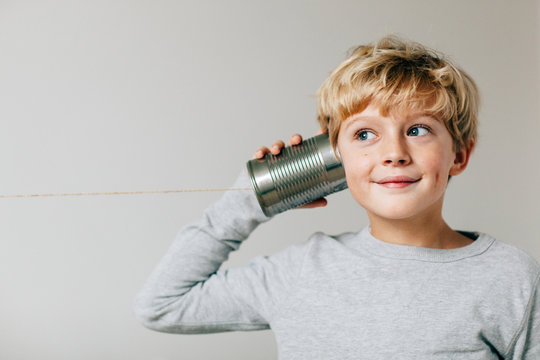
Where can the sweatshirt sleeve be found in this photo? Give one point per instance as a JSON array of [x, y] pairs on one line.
[[187, 293], [526, 343]]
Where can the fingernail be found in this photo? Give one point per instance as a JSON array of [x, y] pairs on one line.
[[259, 153], [275, 147]]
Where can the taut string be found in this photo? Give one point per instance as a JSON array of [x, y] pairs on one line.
[[119, 193]]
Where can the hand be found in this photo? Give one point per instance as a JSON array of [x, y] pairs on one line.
[[295, 139]]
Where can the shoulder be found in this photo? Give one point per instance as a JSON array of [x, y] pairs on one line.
[[323, 248], [315, 243], [321, 239], [511, 261]]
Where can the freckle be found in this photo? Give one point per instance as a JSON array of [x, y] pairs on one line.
[[365, 154]]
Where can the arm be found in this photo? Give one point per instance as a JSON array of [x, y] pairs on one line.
[[187, 294], [526, 344]]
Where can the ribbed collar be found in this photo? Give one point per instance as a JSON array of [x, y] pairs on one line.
[[365, 241]]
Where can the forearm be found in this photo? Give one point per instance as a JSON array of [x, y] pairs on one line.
[[175, 293]]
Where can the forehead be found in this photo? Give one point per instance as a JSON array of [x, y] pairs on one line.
[[376, 113]]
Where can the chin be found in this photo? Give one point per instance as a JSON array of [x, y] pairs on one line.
[[394, 215], [392, 211]]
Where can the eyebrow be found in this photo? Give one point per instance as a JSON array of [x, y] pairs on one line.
[[354, 119]]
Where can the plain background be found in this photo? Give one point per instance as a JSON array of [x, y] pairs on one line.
[[147, 95]]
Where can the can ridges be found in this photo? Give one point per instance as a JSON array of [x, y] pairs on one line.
[[297, 176]]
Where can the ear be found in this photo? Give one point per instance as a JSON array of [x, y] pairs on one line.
[[462, 159]]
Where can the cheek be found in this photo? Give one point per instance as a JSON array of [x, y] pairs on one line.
[[355, 163], [357, 169], [439, 166]]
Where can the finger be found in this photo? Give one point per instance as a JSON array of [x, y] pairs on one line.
[[276, 148], [322, 131], [295, 139], [316, 203], [259, 154]]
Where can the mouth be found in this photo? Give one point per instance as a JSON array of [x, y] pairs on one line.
[[397, 181]]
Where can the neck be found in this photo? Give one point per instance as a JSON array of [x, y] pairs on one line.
[[425, 230]]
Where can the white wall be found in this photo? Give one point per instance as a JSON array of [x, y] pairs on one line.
[[144, 95]]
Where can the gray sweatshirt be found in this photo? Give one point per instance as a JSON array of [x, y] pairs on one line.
[[346, 296]]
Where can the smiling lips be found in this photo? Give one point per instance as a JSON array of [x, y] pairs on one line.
[[397, 181]]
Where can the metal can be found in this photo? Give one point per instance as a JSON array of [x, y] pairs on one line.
[[298, 175]]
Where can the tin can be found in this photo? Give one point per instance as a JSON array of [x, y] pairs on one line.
[[298, 175]]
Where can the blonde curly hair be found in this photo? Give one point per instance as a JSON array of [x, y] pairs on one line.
[[393, 74]]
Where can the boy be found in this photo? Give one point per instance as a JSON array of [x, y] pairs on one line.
[[403, 120]]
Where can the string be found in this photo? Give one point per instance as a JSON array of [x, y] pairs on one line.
[[118, 193]]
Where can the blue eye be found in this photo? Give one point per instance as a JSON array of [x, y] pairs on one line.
[[365, 135], [418, 130]]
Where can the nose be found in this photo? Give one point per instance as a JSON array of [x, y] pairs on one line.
[[395, 153]]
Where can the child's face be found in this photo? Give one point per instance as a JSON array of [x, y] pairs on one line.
[[397, 166]]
